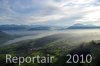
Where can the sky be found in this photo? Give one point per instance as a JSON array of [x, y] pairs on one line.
[[50, 12]]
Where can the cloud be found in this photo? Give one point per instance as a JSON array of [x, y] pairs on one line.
[[92, 15], [49, 11]]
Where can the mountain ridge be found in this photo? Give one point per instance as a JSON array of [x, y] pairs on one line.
[[83, 26]]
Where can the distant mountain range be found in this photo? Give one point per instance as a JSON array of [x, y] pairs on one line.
[[29, 27], [12, 27], [40, 28], [45, 27], [83, 26]]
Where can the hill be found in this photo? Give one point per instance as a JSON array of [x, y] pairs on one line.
[[57, 48], [83, 26], [4, 37]]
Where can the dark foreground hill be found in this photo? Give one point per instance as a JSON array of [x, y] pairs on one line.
[[55, 47], [4, 37]]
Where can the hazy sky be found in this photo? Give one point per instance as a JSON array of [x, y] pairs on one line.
[[53, 12]]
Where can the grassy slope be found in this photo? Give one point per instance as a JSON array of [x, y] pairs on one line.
[[53, 46]]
